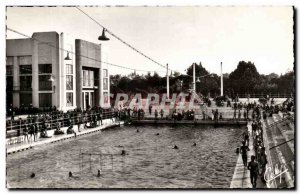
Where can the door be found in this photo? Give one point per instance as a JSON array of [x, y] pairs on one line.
[[87, 100]]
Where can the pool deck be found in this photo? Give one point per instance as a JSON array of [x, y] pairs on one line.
[[241, 176], [192, 122], [25, 145]]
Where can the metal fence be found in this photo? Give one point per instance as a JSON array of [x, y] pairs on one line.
[[264, 95], [16, 127]]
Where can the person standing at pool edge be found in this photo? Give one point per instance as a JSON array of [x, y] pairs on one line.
[[253, 167], [243, 151]]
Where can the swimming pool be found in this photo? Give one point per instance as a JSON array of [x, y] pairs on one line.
[[150, 162]]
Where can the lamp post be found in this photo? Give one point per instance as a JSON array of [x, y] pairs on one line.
[[194, 77], [221, 81], [103, 37], [168, 87]]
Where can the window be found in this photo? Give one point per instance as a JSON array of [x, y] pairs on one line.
[[9, 70], [88, 79], [25, 77], [69, 69], [91, 79], [105, 83], [24, 60], [69, 81], [106, 97], [44, 83], [105, 73], [25, 69], [45, 68], [25, 99], [9, 60], [9, 83], [9, 99], [84, 78], [45, 99], [69, 99], [9, 77], [25, 83]]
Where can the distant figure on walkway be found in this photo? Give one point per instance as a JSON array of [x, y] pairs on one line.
[[246, 137], [212, 114], [161, 113], [203, 113], [253, 167], [234, 114], [25, 133], [101, 117], [150, 109], [79, 123], [243, 151], [272, 101], [58, 130], [36, 130], [239, 115], [156, 114], [31, 131], [263, 163], [228, 103]]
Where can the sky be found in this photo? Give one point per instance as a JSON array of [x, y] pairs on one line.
[[175, 35]]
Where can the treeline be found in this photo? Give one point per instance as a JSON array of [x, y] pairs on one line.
[[243, 80]]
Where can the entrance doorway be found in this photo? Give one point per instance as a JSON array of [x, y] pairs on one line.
[[88, 99]]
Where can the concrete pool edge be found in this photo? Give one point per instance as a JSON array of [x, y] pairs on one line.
[[58, 138]]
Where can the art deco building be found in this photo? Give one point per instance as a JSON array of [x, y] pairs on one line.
[[40, 72]]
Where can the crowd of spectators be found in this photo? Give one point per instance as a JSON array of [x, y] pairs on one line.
[[258, 162], [32, 124], [183, 115]]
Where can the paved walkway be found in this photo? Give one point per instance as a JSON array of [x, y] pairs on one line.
[[241, 176], [25, 145]]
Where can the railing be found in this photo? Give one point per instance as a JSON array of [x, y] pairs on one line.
[[280, 121], [264, 95], [16, 128]]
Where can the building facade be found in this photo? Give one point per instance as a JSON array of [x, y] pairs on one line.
[[92, 83], [41, 72]]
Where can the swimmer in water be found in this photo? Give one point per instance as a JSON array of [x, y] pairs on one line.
[[123, 153], [194, 144], [98, 175], [175, 147], [70, 174], [157, 134], [137, 130]]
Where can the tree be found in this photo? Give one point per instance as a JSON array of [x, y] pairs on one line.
[[244, 78], [199, 70]]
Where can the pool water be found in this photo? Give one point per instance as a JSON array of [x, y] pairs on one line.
[[150, 160]]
